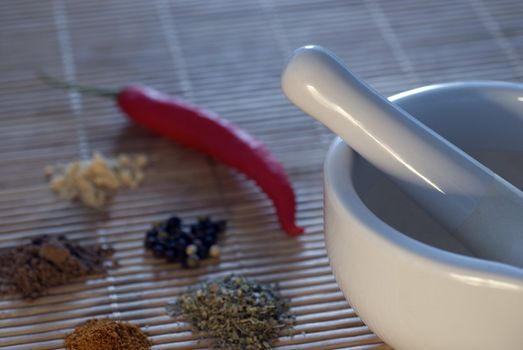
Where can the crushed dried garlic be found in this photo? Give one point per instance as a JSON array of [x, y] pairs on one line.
[[94, 182]]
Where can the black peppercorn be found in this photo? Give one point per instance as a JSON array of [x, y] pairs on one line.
[[169, 240], [220, 226], [209, 240], [171, 255], [159, 250], [172, 225]]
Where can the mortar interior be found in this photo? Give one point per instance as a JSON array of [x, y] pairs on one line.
[[486, 123]]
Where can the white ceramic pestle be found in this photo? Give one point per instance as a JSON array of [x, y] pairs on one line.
[[481, 209]]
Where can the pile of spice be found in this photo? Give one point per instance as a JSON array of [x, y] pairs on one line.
[[170, 240], [94, 182], [48, 261], [235, 313], [105, 334]]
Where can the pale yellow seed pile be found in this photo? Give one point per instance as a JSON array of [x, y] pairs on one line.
[[94, 182]]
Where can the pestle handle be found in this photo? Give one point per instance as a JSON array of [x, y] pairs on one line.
[[446, 181]]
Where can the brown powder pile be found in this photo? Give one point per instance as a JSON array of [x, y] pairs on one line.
[[104, 334], [48, 261], [94, 182]]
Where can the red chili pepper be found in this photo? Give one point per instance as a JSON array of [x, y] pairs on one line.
[[208, 133]]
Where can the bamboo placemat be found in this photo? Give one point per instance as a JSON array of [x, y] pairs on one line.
[[226, 56]]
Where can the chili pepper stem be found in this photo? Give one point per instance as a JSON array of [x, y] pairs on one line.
[[82, 89]]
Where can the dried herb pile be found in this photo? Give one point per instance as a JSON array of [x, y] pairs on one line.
[[48, 261], [105, 334], [235, 313]]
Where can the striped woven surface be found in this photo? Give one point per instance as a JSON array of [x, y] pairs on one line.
[[226, 56]]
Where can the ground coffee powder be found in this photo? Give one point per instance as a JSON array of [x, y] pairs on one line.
[[105, 334], [48, 261]]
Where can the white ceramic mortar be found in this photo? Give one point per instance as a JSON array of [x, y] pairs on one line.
[[411, 282]]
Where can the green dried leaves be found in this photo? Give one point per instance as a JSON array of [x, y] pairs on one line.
[[234, 312]]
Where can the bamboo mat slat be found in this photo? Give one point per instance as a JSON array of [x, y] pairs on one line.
[[227, 56]]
